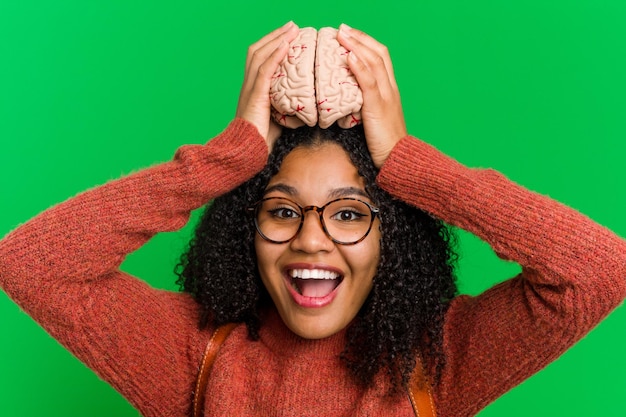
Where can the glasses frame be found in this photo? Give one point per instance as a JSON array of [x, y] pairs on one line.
[[253, 209]]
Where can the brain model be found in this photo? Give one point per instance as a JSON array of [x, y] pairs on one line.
[[313, 84]]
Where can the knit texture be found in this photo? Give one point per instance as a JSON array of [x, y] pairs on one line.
[[62, 268]]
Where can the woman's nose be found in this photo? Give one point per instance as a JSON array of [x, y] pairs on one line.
[[312, 237]]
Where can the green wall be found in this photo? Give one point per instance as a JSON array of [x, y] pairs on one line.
[[91, 90]]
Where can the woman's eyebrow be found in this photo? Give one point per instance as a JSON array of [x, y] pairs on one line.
[[346, 192], [332, 194], [284, 188]]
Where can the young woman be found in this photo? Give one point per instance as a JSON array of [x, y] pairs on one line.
[[332, 255]]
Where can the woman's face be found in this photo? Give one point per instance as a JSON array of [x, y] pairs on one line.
[[318, 308]]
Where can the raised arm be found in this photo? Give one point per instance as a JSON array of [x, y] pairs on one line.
[[62, 267], [573, 270], [573, 274]]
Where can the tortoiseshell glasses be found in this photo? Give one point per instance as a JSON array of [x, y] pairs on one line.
[[346, 221]]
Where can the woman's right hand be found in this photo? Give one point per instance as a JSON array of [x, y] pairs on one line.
[[262, 61]]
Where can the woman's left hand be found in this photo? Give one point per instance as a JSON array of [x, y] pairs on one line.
[[383, 118]]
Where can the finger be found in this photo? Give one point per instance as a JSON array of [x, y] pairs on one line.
[[375, 85], [276, 33], [373, 81], [374, 55], [269, 42], [368, 82], [355, 37], [269, 55], [267, 68], [374, 64], [262, 53], [258, 86]]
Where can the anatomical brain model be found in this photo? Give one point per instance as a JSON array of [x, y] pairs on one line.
[[314, 84]]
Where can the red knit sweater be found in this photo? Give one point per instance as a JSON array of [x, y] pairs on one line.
[[62, 267]]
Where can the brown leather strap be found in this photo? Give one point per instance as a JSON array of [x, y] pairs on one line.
[[420, 393], [419, 388], [220, 334]]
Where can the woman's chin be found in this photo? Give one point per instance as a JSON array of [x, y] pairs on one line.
[[313, 328]]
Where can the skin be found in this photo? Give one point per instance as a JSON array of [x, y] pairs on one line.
[[384, 125], [369, 60], [312, 176]]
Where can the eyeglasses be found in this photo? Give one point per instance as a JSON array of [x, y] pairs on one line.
[[346, 221]]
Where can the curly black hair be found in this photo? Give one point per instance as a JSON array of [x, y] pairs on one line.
[[403, 314]]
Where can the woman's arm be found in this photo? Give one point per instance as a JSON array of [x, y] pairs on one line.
[[62, 268], [574, 271], [573, 274]]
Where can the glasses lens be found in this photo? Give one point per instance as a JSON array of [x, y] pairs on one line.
[[278, 219], [347, 220]]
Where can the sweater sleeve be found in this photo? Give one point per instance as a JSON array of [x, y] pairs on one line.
[[573, 274], [62, 268]]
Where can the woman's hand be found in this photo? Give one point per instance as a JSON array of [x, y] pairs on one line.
[[261, 63], [383, 119]]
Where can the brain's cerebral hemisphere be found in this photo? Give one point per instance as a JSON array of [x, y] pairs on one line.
[[314, 84]]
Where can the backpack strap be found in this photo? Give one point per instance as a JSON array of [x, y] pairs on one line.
[[420, 393], [419, 388], [220, 334]]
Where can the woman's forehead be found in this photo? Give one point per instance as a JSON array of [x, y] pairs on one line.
[[321, 171]]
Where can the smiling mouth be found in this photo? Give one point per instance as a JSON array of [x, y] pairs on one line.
[[314, 283]]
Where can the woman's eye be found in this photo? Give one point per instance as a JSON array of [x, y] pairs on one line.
[[347, 216], [284, 213]]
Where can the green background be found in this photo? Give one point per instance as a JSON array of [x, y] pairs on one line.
[[91, 90]]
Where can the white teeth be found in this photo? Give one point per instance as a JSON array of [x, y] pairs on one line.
[[313, 274]]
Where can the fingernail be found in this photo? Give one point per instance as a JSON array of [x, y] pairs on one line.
[[352, 57], [288, 24], [345, 30]]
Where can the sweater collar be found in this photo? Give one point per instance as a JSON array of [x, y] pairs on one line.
[[282, 341]]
